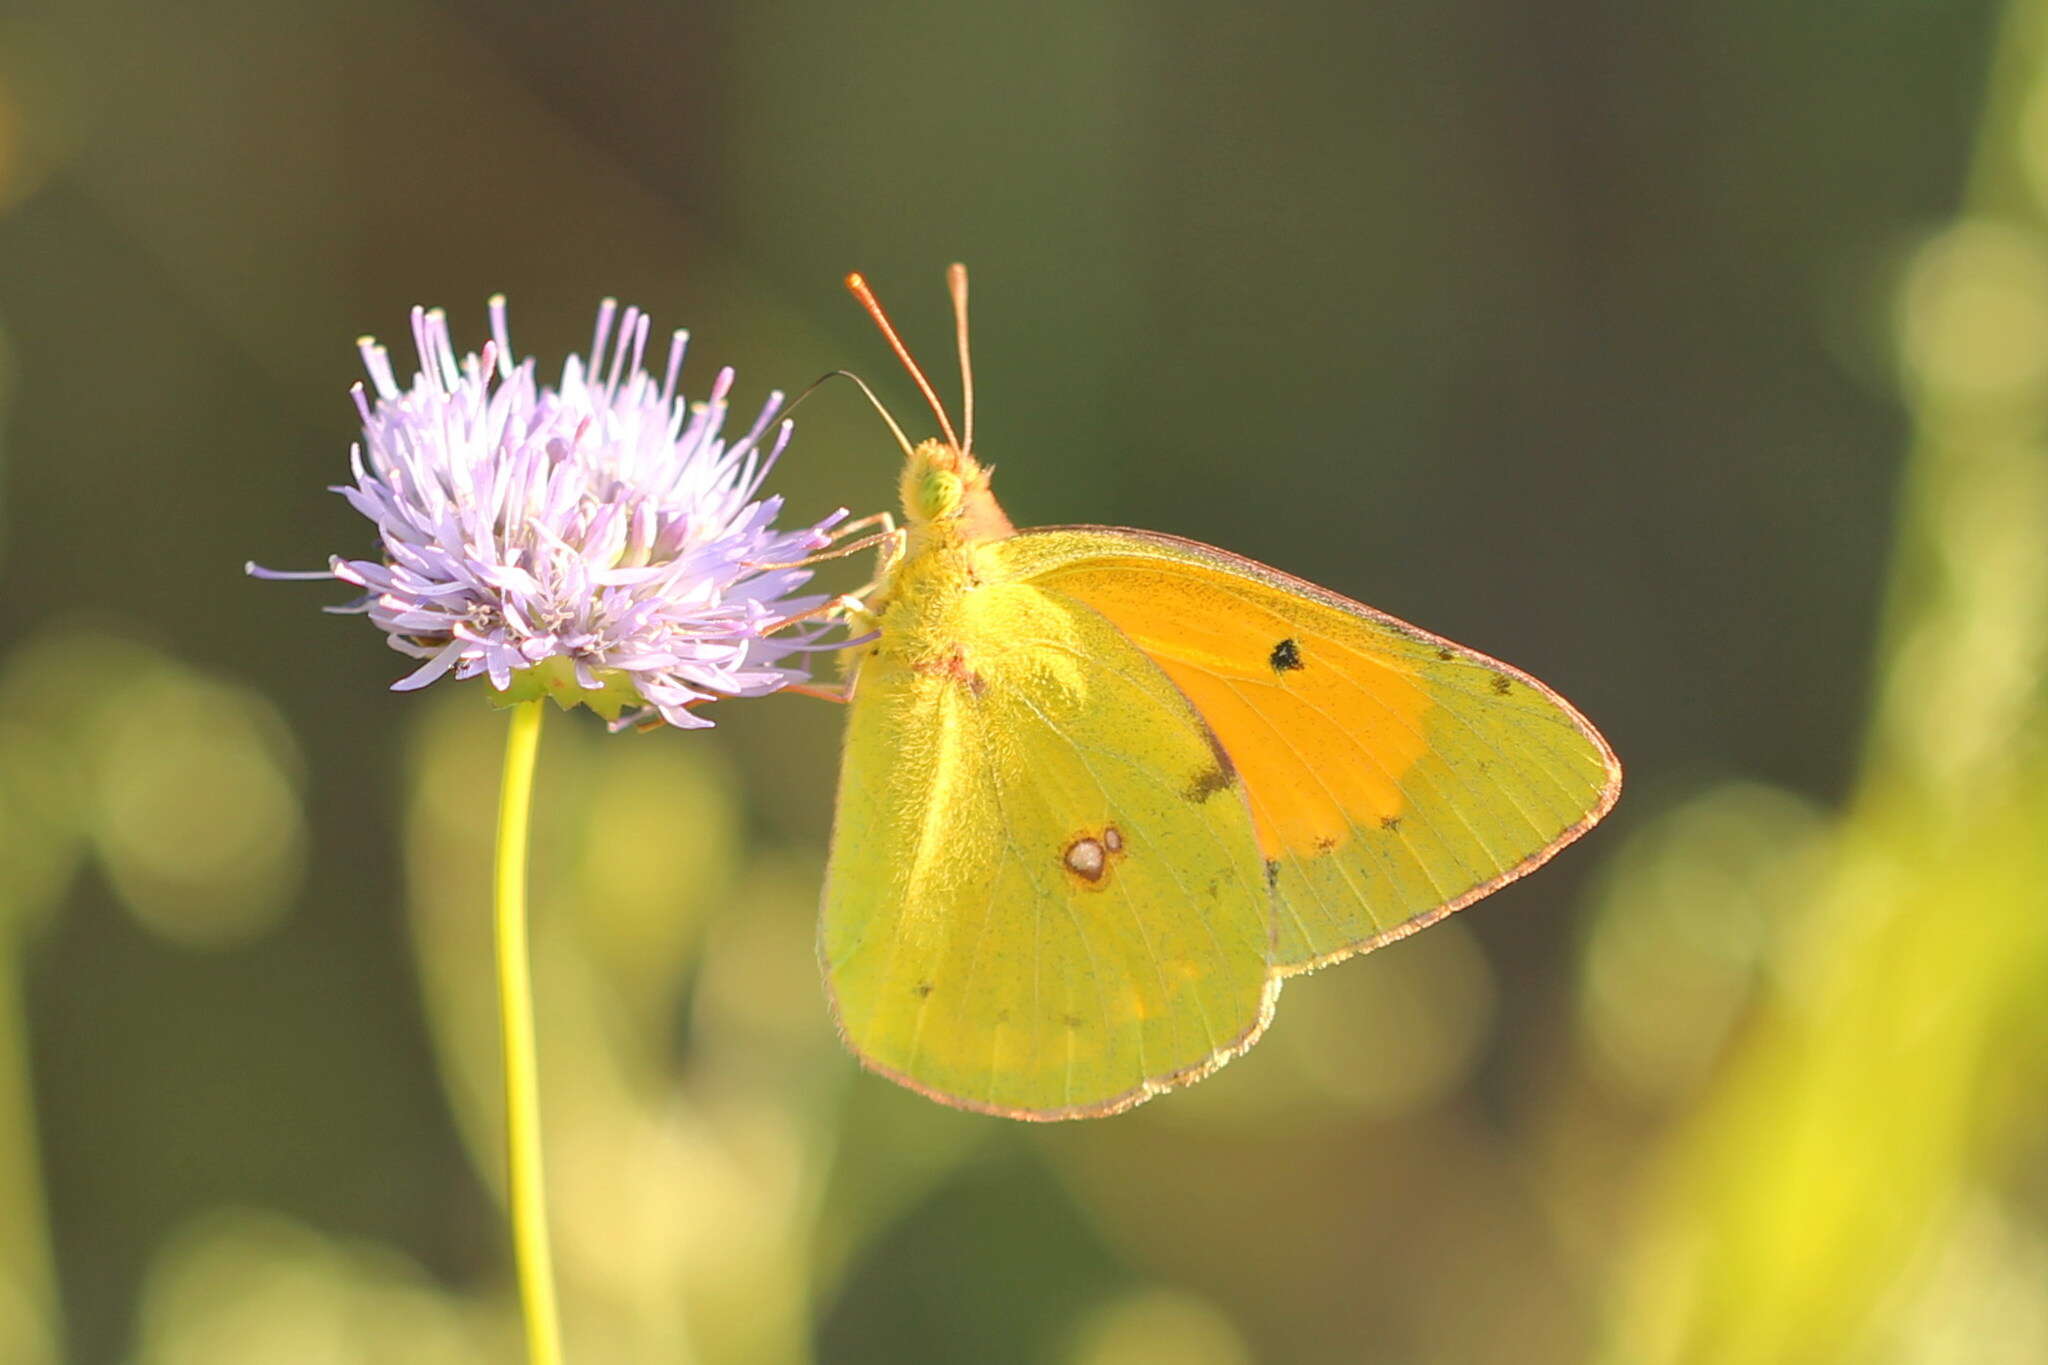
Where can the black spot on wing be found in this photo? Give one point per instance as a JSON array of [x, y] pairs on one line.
[[1502, 684], [1286, 657], [1272, 873]]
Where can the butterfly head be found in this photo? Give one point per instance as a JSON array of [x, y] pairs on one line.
[[945, 489]]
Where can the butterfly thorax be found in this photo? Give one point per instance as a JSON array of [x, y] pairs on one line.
[[950, 516]]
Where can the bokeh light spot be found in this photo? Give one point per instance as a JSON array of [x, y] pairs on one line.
[[1401, 1030], [196, 811], [239, 1287], [1159, 1327], [1973, 319], [186, 787], [1690, 905]]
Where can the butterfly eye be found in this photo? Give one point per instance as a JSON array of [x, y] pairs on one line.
[[937, 494]]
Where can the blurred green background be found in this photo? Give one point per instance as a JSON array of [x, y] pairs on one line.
[[1693, 357]]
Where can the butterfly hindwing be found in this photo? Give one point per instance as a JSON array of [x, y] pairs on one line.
[[1393, 776], [1045, 896]]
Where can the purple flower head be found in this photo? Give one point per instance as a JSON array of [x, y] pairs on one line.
[[598, 542]]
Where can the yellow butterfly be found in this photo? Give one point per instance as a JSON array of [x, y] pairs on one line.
[[1104, 790]]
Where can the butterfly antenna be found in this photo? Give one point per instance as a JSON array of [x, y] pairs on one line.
[[858, 287], [862, 385], [956, 282]]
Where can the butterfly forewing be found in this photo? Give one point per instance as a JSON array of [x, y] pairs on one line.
[[1045, 897], [1393, 776]]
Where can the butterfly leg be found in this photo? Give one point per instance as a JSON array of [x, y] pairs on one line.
[[850, 607], [857, 616], [840, 694], [847, 605], [885, 520], [888, 534], [892, 540]]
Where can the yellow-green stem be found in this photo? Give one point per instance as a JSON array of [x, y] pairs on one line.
[[524, 1182]]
